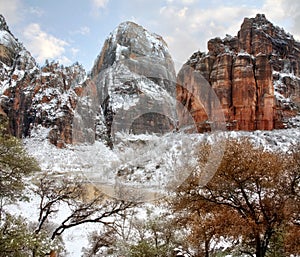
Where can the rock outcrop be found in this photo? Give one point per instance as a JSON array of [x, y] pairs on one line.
[[131, 87], [255, 76], [33, 97]]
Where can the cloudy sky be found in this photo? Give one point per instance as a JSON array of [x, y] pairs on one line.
[[70, 31]]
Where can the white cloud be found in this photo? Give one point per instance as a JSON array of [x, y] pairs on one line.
[[183, 2], [84, 30], [275, 9], [74, 51], [100, 3], [63, 60], [188, 1], [285, 12], [189, 28], [11, 10], [182, 12], [44, 46], [36, 11]]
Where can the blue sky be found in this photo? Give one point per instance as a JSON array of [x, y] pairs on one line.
[[74, 30]]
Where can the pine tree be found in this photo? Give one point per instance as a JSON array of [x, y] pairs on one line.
[[15, 166]]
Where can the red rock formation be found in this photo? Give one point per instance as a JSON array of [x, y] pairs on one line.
[[47, 98], [32, 96], [131, 79], [255, 76]]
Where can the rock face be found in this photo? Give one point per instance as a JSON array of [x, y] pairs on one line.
[[255, 76], [135, 80], [35, 97], [131, 87]]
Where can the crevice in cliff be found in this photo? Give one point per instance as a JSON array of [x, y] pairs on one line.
[[231, 83], [15, 60], [251, 38], [211, 65], [256, 93]]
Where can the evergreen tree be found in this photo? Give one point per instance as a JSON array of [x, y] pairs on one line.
[[15, 166]]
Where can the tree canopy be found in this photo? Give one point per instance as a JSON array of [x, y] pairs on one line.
[[252, 201], [15, 166]]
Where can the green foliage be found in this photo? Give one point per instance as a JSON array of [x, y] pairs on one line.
[[133, 234], [17, 239], [144, 249], [156, 235], [276, 248], [17, 236], [15, 164]]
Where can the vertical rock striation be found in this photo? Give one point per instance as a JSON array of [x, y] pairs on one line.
[[254, 74], [131, 87]]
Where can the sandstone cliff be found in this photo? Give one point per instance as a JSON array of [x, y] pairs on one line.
[[33, 97], [255, 76], [131, 87]]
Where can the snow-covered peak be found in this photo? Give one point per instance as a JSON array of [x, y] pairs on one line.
[[135, 77], [3, 24], [130, 41], [128, 33], [7, 40], [6, 37], [14, 57]]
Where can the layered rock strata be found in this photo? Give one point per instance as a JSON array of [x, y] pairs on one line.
[[255, 76]]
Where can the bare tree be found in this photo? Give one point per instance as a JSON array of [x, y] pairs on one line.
[[85, 203], [149, 234]]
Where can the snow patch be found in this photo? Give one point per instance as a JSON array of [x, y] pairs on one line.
[[7, 40]]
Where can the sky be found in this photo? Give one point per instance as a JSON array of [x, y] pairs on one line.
[[75, 30]]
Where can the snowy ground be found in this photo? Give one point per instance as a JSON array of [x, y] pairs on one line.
[[74, 238], [148, 164], [145, 162]]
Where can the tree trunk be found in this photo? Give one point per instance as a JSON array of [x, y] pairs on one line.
[[53, 254], [258, 252], [206, 243]]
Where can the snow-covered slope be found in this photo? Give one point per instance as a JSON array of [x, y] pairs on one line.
[[145, 165], [121, 120], [133, 79], [15, 60], [105, 122]]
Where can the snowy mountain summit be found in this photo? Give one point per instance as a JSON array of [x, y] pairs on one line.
[[8, 44], [136, 82], [34, 97], [131, 87]]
